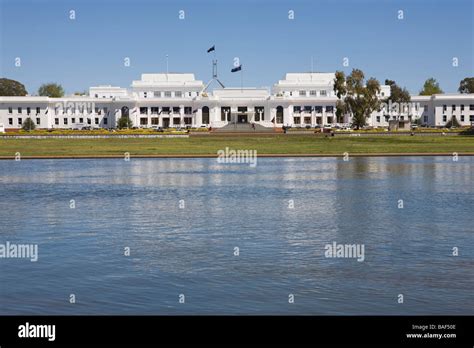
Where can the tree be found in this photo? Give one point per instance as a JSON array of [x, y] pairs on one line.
[[11, 88], [52, 90], [431, 87], [124, 122], [81, 93], [453, 123], [28, 125], [357, 96], [466, 85], [340, 90], [399, 97]]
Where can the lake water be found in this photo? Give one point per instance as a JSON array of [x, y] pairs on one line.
[[280, 214]]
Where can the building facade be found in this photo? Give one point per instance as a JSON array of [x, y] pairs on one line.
[[179, 100]]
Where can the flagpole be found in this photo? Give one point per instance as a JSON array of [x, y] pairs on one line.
[[167, 67], [241, 81]]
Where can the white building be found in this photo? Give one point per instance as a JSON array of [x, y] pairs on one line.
[[179, 100]]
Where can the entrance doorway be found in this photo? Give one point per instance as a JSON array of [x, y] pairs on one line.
[[166, 123], [242, 119]]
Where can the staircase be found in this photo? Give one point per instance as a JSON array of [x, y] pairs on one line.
[[244, 128]]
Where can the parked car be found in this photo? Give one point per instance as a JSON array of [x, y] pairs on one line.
[[157, 128]]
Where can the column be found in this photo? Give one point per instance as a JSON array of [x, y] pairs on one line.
[[181, 115]]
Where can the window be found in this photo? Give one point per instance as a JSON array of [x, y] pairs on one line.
[[291, 93], [38, 110], [323, 93], [105, 111], [190, 94], [242, 109], [462, 107], [165, 110], [65, 121], [157, 94], [96, 120], [453, 107], [167, 94], [425, 119], [56, 121], [445, 118], [279, 114], [10, 121], [28, 110], [402, 118], [96, 95], [462, 118], [19, 110], [154, 110], [378, 119], [97, 110], [307, 120], [144, 94], [188, 120], [81, 120], [105, 120], [471, 118], [425, 108], [383, 94], [176, 110], [445, 107], [329, 108], [205, 115], [88, 121], [188, 110], [296, 109], [259, 113], [143, 111], [302, 93], [308, 109], [176, 121], [10, 110], [296, 120], [312, 93], [178, 94], [20, 121], [318, 109], [471, 107], [73, 120], [154, 121], [143, 121]]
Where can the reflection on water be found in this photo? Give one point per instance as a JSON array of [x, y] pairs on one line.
[[190, 251]]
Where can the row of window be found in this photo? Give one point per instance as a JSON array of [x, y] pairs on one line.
[[166, 122], [28, 110], [154, 110], [453, 107], [425, 118], [169, 94], [65, 121], [317, 109], [462, 118], [57, 110], [311, 93]]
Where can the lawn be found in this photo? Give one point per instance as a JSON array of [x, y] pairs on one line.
[[201, 145]]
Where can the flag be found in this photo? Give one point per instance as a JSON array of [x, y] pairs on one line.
[[46, 111], [194, 111], [237, 68], [213, 48]]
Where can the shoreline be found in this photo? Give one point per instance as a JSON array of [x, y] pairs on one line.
[[277, 155]]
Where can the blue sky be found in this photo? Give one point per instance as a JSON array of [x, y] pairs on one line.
[[90, 50]]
